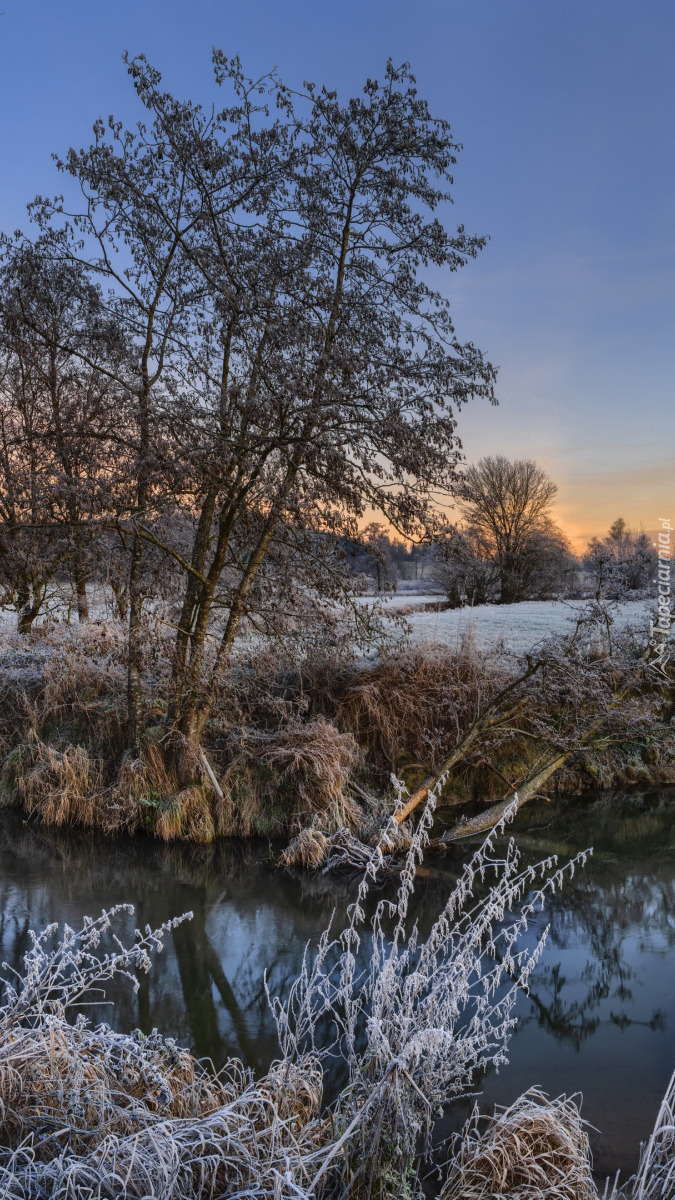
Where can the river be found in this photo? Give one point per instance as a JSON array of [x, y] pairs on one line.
[[600, 1017]]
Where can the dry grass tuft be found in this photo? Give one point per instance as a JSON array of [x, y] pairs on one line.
[[187, 816], [83, 689], [280, 781], [160, 777], [537, 1149], [108, 1082], [413, 706], [60, 787], [296, 1090], [315, 762], [308, 849]]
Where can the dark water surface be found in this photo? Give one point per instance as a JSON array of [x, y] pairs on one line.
[[600, 1018]]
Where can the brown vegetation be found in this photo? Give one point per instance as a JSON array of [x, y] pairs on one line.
[[315, 746], [536, 1150], [410, 707]]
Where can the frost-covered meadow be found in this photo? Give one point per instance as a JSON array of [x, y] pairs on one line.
[[517, 627]]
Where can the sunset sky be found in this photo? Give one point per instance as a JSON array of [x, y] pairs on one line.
[[566, 110]]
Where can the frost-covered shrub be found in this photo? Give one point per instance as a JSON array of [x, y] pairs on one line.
[[420, 1017]]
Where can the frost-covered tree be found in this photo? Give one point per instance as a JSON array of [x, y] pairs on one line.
[[467, 570], [292, 367], [622, 562], [506, 507]]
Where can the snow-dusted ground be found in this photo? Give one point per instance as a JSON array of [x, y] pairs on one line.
[[61, 605], [519, 627]]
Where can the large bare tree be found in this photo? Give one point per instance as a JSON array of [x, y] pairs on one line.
[[60, 417], [506, 506], [293, 366]]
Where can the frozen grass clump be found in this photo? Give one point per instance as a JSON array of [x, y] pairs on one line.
[[307, 850], [77, 1080], [536, 1150], [86, 1111]]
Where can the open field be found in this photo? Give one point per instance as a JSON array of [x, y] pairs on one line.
[[517, 627]]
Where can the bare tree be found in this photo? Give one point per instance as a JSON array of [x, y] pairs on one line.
[[58, 419], [506, 506], [290, 355]]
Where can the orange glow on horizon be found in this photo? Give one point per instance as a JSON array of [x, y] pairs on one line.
[[588, 503]]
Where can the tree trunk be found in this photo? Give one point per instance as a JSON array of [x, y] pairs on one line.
[[25, 620], [514, 801], [81, 591], [119, 591], [197, 698], [135, 663], [134, 669], [29, 603]]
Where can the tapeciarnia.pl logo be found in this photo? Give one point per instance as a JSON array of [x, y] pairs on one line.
[[659, 631]]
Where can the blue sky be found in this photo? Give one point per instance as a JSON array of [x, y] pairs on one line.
[[566, 111]]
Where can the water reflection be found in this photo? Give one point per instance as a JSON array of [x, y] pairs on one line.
[[600, 1016]]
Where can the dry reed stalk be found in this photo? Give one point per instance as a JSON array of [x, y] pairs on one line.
[[655, 1178]]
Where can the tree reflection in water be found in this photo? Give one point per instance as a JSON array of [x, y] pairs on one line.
[[600, 1016]]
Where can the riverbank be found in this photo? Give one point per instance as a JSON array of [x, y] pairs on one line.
[[314, 744]]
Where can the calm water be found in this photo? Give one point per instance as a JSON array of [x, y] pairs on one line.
[[600, 1018]]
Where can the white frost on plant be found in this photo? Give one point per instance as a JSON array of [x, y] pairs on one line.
[[424, 1015]]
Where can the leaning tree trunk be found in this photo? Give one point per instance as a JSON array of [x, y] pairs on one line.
[[510, 804], [533, 785], [489, 720]]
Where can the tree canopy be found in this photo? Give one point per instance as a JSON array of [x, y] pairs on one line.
[[283, 363]]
